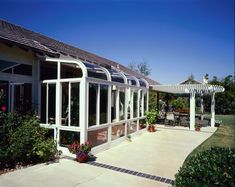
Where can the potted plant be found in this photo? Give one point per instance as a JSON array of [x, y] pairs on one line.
[[151, 118], [129, 137], [81, 150], [197, 127]]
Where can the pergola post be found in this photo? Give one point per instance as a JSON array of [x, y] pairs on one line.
[[192, 110], [213, 110]]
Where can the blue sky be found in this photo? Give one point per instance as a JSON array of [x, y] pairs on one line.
[[176, 37]]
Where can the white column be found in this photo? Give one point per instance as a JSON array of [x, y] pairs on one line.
[[98, 104], [117, 104], [138, 109], [69, 104], [213, 110], [126, 108], [192, 111], [58, 104], [202, 107], [132, 103], [109, 113], [83, 113]]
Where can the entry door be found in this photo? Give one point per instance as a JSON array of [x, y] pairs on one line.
[[21, 97]]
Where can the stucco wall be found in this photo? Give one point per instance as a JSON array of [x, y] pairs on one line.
[[15, 54]]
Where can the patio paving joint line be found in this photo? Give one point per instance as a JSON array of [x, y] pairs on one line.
[[131, 172]]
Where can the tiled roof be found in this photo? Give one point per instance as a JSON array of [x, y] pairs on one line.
[[26, 38], [190, 81]]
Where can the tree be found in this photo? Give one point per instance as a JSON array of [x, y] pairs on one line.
[[224, 101], [140, 67]]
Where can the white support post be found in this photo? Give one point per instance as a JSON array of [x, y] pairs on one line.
[[58, 105], [213, 110], [109, 113], [126, 108], [83, 110], [202, 108], [132, 104], [69, 104], [142, 104], [98, 105], [47, 103], [117, 104], [192, 111], [138, 109]]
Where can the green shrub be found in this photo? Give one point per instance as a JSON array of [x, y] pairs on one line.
[[45, 150], [8, 123], [179, 103], [26, 143], [151, 117], [214, 167]]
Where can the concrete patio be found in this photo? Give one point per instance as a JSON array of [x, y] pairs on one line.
[[159, 154]]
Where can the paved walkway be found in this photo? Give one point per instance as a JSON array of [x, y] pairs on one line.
[[137, 163]]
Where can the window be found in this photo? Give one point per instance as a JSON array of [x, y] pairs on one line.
[[98, 137], [70, 104], [48, 103], [15, 68], [103, 104], [95, 71], [48, 70], [122, 104], [145, 102], [22, 97], [68, 137], [118, 131], [69, 70], [135, 104], [113, 104], [65, 104], [74, 104], [131, 127], [93, 90], [23, 69]]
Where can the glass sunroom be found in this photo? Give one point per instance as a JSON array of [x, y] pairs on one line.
[[82, 101]]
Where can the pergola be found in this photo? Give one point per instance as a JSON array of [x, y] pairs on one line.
[[193, 90]]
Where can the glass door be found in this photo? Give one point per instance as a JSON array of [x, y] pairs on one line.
[[20, 99]]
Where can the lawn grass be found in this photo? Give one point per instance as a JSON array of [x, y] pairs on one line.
[[223, 137]]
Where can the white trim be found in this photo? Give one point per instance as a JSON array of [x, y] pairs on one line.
[[188, 88]]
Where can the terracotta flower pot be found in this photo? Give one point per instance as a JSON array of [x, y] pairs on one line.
[[151, 128], [197, 129], [82, 157]]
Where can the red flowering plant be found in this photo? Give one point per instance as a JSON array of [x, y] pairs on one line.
[[81, 150]]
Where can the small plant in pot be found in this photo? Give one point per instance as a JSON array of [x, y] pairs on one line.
[[81, 150], [151, 118], [129, 137], [197, 127]]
